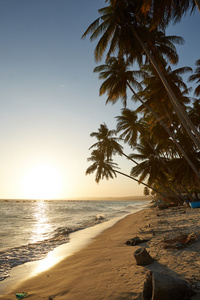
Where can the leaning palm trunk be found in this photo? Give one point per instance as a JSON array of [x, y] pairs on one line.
[[167, 189], [176, 195], [168, 131], [197, 4], [148, 186], [187, 192], [173, 98], [135, 162], [184, 123]]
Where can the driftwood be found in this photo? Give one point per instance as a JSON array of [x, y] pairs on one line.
[[142, 257], [180, 241], [159, 286]]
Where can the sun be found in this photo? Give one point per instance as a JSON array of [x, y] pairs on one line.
[[42, 182]]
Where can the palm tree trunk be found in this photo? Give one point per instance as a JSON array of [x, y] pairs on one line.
[[163, 162], [188, 193], [177, 195], [185, 125], [170, 190], [169, 132], [173, 98], [129, 158], [197, 4], [155, 190]]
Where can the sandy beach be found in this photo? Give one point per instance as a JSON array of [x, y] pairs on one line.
[[106, 268]]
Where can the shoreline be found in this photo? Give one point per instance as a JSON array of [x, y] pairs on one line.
[[36, 241], [78, 241], [106, 269], [125, 198]]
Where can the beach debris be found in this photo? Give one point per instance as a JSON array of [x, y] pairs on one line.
[[20, 296], [142, 257], [136, 241], [162, 206], [165, 287], [180, 241]]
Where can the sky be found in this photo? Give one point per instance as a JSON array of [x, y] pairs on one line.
[[50, 103]]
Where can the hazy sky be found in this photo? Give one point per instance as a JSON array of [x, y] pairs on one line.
[[49, 102]]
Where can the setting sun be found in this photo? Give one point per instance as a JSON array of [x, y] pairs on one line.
[[42, 182]]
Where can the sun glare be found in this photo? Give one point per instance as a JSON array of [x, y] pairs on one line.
[[42, 182]]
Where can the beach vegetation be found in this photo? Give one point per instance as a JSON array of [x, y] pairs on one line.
[[163, 131], [165, 11], [123, 30]]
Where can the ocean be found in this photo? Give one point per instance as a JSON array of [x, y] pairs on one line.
[[30, 229]]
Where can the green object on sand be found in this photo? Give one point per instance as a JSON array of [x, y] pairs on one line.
[[21, 295]]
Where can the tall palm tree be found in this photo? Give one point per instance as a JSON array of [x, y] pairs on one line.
[[103, 168], [115, 26], [116, 72], [182, 173], [108, 144], [130, 128], [133, 129], [129, 125], [121, 25], [157, 98], [150, 167], [153, 169], [166, 10], [194, 113], [107, 169]]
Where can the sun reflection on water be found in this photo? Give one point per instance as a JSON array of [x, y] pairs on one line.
[[41, 226]]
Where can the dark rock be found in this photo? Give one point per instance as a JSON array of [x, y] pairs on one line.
[[136, 241]]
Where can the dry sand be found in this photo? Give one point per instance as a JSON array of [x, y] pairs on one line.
[[106, 268]]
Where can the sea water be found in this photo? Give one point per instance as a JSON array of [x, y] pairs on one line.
[[30, 229]]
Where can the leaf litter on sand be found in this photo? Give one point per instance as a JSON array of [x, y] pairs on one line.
[[181, 241]]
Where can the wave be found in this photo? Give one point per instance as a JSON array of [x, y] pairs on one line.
[[63, 218], [13, 257]]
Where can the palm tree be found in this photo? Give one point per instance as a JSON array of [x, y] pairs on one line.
[[150, 167], [157, 98], [103, 168], [121, 25], [128, 124], [107, 169], [116, 73], [182, 173], [115, 26], [166, 10], [108, 144], [194, 113], [153, 169], [131, 128], [196, 77]]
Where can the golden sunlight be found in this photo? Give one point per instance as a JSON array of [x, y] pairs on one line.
[[42, 182]]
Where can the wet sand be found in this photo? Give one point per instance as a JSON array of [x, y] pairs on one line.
[[106, 268]]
